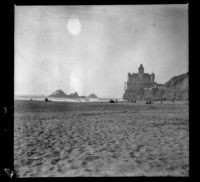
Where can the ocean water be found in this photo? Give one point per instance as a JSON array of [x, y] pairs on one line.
[[42, 98]]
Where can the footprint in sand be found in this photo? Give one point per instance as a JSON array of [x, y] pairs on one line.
[[55, 161]]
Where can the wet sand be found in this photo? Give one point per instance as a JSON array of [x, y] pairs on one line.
[[58, 139]]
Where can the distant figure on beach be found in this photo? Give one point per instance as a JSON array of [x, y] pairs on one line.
[[133, 100], [173, 100], [149, 101], [112, 101], [47, 100], [31, 99]]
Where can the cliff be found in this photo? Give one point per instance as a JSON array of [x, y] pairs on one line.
[[180, 84], [177, 87]]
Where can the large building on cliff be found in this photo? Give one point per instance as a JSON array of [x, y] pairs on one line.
[[136, 84]]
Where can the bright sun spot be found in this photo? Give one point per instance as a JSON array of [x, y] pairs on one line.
[[74, 26]]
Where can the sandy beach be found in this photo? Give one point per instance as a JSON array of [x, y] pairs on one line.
[[59, 139]]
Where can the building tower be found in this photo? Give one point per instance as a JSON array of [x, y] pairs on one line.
[[141, 69], [152, 77]]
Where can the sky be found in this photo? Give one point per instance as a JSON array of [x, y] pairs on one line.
[[91, 49]]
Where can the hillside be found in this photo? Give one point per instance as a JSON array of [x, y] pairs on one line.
[[180, 84], [176, 87], [176, 81]]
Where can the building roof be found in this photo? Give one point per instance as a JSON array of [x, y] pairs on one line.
[[141, 66]]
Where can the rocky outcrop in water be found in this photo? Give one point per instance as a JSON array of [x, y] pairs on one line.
[[92, 96], [61, 94], [58, 93]]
